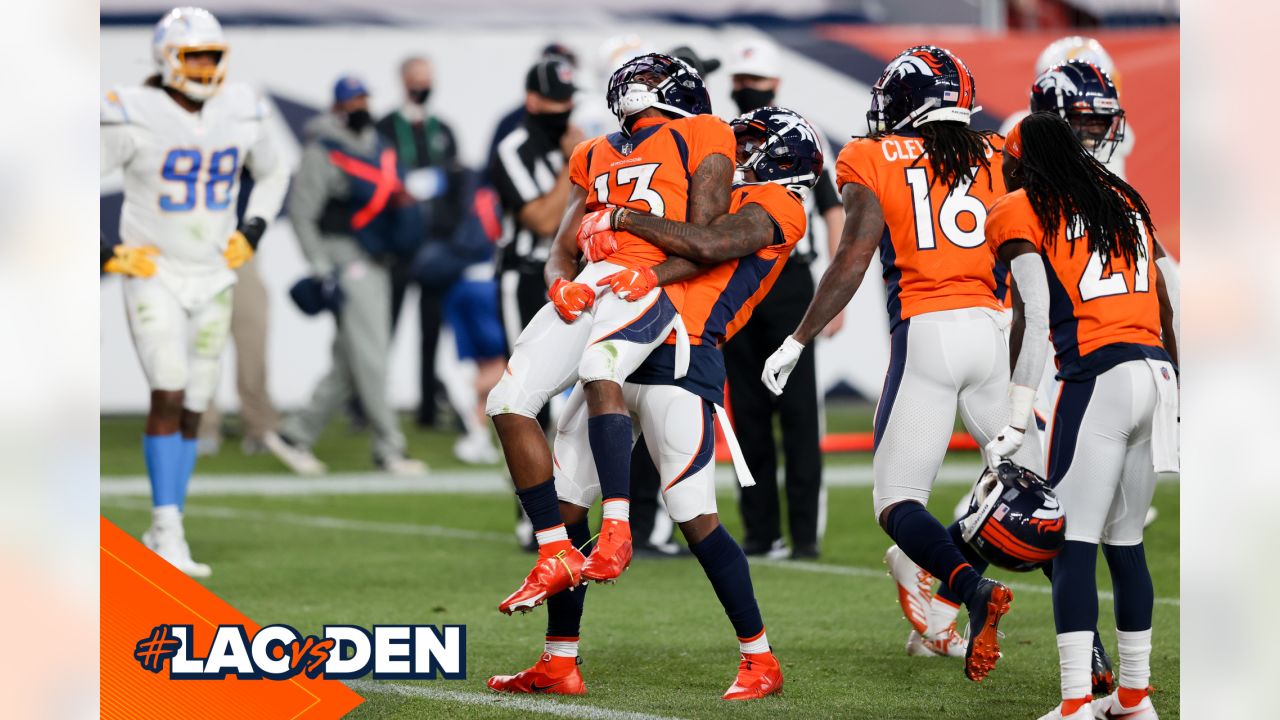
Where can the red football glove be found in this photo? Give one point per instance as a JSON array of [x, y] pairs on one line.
[[571, 298], [631, 284], [595, 235]]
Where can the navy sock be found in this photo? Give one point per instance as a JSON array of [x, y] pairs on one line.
[[188, 468], [564, 609], [541, 505], [610, 437], [163, 454], [1047, 569], [929, 545], [1075, 588], [979, 565], [1131, 581], [726, 567]]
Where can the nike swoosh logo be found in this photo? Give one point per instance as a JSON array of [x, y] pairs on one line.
[[1112, 716], [535, 687]]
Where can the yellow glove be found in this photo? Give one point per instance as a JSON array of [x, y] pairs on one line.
[[134, 261], [238, 251]]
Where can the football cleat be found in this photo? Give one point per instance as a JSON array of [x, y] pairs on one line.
[[759, 674], [1081, 711], [553, 574], [990, 603], [171, 546], [612, 553], [1102, 677], [551, 675], [947, 643], [1110, 708], [914, 588]]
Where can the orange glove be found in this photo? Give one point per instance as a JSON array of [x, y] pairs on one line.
[[631, 284], [595, 235], [571, 298]]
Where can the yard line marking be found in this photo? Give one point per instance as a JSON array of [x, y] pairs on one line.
[[395, 528], [463, 482], [502, 700]]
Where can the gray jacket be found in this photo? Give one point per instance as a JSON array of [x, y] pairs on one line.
[[317, 182]]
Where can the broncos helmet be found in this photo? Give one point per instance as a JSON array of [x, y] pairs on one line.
[[923, 84], [658, 81], [1084, 95], [779, 146], [1014, 520]]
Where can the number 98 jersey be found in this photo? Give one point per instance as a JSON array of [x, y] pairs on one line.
[[933, 251], [648, 171], [182, 175]]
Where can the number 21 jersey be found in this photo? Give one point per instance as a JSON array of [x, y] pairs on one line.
[[933, 251]]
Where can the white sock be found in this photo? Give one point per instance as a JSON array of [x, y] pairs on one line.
[[1135, 659], [942, 615], [551, 534], [759, 644], [562, 647], [617, 509], [167, 517], [1075, 653]]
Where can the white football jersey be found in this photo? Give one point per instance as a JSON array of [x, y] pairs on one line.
[[182, 177]]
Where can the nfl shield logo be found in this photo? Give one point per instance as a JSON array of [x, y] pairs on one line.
[[626, 149], [1164, 371]]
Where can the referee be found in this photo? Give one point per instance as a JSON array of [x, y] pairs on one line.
[[754, 66]]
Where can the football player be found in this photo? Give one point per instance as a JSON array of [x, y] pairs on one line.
[[779, 158], [182, 139], [918, 189], [1083, 253], [671, 159]]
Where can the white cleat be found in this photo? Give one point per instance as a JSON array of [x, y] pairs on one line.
[[915, 588], [295, 457], [402, 466], [1083, 713], [1109, 708], [166, 538], [947, 643], [476, 449]]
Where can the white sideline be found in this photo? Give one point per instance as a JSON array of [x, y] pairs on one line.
[[396, 528], [514, 702]]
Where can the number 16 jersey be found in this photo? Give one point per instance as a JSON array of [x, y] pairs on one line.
[[933, 251]]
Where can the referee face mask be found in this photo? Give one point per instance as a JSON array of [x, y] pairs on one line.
[[553, 124]]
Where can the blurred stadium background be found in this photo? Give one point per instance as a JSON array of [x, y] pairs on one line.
[[353, 550]]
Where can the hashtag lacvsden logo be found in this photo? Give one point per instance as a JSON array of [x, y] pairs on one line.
[[279, 652]]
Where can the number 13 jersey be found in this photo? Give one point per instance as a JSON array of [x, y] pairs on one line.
[[648, 171], [182, 173], [933, 250]]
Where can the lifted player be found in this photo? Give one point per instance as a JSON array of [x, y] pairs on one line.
[[918, 189], [779, 159], [182, 139], [671, 159]]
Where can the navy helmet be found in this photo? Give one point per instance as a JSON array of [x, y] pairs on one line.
[[658, 81], [1014, 520], [1084, 95], [922, 84], [780, 146]]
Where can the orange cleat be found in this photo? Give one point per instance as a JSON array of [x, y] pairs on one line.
[[552, 574], [551, 675], [612, 553], [759, 674], [990, 603]]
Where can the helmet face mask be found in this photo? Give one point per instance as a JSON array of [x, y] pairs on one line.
[[656, 81], [778, 146], [180, 35], [1085, 96]]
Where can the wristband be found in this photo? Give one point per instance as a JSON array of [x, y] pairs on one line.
[[1021, 398]]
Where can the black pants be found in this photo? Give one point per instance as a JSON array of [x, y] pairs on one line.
[[430, 316], [753, 408]]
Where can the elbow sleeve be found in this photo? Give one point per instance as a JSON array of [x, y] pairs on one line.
[[1033, 286]]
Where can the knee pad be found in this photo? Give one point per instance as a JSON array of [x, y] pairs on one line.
[[202, 383], [600, 362], [510, 396], [166, 367]]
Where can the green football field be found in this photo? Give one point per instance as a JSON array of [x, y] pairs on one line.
[[657, 644]]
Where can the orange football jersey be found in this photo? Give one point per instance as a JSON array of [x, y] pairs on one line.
[[648, 171], [1094, 302], [933, 250], [718, 302]]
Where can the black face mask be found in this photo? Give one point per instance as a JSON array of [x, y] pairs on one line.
[[749, 99], [358, 120], [553, 124], [419, 95]]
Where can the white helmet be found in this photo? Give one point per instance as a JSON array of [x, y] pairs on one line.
[[189, 30], [1075, 47]]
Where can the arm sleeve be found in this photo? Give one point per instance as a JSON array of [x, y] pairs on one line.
[[270, 176], [306, 205], [854, 165], [1033, 286]]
